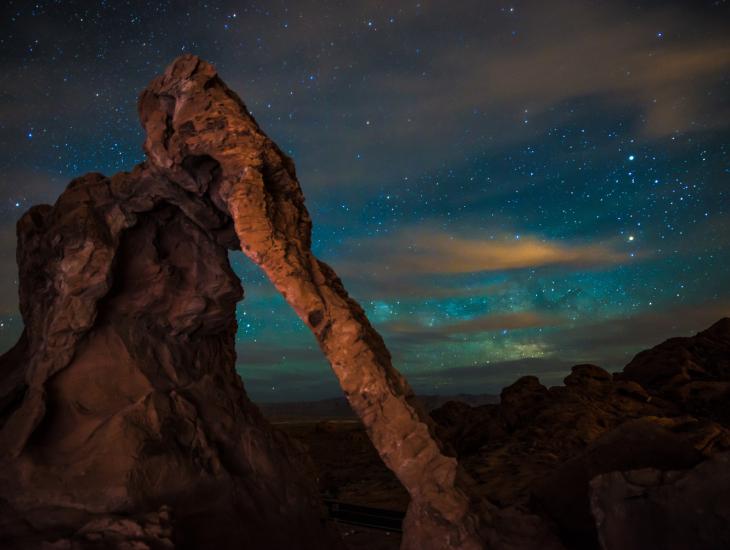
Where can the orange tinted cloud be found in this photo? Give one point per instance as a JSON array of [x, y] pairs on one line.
[[429, 252]]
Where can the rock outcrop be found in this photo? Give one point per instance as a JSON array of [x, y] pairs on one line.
[[540, 448], [123, 419], [693, 373], [121, 399]]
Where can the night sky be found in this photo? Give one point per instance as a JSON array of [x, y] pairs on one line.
[[508, 188]]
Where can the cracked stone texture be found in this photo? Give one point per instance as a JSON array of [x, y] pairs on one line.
[[121, 395]]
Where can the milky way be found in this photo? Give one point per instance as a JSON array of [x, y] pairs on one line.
[[508, 188]]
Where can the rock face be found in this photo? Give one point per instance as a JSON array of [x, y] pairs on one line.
[[540, 448], [123, 419], [121, 399], [673, 510]]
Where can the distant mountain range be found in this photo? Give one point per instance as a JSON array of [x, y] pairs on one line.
[[339, 408]]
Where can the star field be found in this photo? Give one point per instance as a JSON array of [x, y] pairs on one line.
[[507, 188]]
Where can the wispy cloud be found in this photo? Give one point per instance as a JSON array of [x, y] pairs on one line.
[[434, 252]]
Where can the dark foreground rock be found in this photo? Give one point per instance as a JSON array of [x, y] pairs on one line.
[[542, 447]]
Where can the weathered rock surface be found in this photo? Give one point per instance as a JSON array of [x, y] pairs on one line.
[[541, 447], [121, 396]]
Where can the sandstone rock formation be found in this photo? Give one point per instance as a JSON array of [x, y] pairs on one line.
[[123, 419], [120, 400]]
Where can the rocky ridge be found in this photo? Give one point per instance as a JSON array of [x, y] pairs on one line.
[[579, 454]]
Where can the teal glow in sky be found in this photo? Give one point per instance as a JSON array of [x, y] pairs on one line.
[[507, 188]]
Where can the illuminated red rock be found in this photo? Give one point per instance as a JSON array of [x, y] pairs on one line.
[[200, 135]]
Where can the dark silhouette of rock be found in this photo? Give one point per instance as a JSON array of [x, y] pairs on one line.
[[693, 372], [672, 510], [640, 443], [591, 379], [467, 428], [520, 402], [540, 448]]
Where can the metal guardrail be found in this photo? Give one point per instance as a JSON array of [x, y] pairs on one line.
[[364, 516]]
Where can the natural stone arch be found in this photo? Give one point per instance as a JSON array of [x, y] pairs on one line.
[[90, 281]]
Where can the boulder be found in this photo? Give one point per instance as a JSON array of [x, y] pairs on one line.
[[521, 401], [672, 510], [563, 493]]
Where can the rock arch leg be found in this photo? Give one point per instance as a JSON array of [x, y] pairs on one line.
[[377, 392]]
